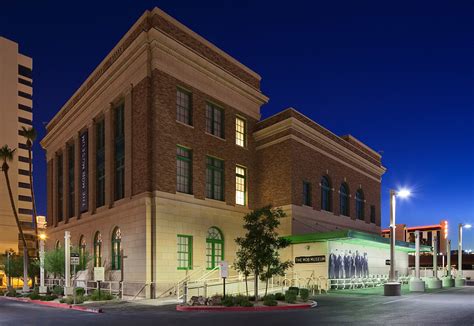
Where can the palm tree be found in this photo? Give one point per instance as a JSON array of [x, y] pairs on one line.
[[30, 135], [6, 155]]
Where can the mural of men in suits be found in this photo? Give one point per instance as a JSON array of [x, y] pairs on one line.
[[347, 264]]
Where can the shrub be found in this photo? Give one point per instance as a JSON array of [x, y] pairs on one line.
[[279, 296], [70, 300], [304, 294], [295, 288], [34, 296], [290, 296], [11, 293], [239, 299], [228, 301], [103, 296], [246, 303], [48, 297], [269, 300], [80, 291], [58, 290]]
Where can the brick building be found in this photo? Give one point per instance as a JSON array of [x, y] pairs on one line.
[[162, 151]]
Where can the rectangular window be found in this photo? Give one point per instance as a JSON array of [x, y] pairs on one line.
[[25, 108], [59, 187], [215, 178], [183, 106], [71, 176], [100, 163], [185, 252], [25, 82], [119, 159], [240, 132], [240, 185], [372, 214], [25, 71], [214, 120], [307, 193], [184, 166], [25, 95]]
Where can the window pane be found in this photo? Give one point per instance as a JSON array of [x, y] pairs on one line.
[[240, 132], [215, 179], [240, 185], [214, 120], [183, 106], [184, 252], [183, 170]]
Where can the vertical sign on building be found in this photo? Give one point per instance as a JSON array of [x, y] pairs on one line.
[[83, 165]]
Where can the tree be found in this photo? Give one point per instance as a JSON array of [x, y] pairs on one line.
[[30, 135], [6, 155], [258, 249], [54, 261]]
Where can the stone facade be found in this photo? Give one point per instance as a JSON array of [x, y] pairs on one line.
[[143, 72]]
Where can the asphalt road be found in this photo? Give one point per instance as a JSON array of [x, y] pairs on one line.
[[360, 307]]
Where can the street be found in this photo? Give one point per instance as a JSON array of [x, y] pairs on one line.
[[453, 306]]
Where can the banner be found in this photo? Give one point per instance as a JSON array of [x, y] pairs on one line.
[[84, 176]]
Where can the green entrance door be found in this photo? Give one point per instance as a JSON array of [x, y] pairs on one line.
[[214, 247]]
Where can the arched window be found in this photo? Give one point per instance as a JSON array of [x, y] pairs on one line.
[[214, 247], [325, 194], [344, 200], [82, 252], [360, 207], [97, 249], [116, 241]]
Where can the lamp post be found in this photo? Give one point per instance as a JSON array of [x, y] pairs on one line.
[[393, 287], [42, 287], [460, 281]]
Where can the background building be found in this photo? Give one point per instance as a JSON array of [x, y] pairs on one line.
[[16, 91], [427, 234], [161, 152]]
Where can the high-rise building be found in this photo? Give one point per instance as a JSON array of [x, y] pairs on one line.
[[16, 92]]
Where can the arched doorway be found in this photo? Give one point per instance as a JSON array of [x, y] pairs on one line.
[[214, 247]]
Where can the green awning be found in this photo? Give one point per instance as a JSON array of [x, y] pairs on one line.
[[356, 237]]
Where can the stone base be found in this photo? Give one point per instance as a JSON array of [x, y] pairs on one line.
[[434, 283], [417, 285], [43, 289], [68, 290], [448, 282], [392, 289], [458, 282]]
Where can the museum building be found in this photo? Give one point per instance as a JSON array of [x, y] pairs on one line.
[[162, 151]]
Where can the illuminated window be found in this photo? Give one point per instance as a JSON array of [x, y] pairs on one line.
[[240, 185], [307, 193], [325, 194], [183, 170], [344, 200], [116, 248], [215, 178], [240, 132], [185, 252], [97, 249], [214, 120], [360, 204], [183, 106]]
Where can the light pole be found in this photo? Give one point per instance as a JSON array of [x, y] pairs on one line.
[[460, 281], [42, 288], [393, 287]]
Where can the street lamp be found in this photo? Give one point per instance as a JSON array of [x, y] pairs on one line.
[[42, 288], [393, 287], [460, 281]]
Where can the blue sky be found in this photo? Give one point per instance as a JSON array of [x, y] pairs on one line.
[[397, 75]]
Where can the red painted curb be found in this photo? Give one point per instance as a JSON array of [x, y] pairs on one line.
[[259, 308], [56, 305]]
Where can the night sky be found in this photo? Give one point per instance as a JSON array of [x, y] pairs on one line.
[[398, 76]]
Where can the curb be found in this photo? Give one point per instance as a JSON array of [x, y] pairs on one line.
[[53, 304], [309, 305]]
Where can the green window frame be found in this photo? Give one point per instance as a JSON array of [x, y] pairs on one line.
[[215, 178], [97, 249], [214, 120], [100, 163], [240, 132], [71, 175], [116, 249], [184, 106], [184, 170], [307, 193], [119, 153], [214, 247], [59, 187], [240, 185], [185, 252]]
